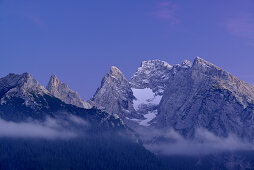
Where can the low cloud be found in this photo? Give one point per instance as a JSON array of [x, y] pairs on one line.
[[48, 129], [204, 142]]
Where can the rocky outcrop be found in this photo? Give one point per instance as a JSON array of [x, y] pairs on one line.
[[184, 97], [153, 74], [205, 96], [22, 86], [24, 99], [148, 85], [64, 93], [115, 95], [136, 100]]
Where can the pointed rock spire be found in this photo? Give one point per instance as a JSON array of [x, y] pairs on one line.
[[200, 62], [115, 71], [115, 94], [64, 93]]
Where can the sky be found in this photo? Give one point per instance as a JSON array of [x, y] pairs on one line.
[[79, 40]]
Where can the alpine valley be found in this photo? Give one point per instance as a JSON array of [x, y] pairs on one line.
[[192, 115]]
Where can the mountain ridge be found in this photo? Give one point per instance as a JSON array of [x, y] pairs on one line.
[[61, 90], [180, 84]]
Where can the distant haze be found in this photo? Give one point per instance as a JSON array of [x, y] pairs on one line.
[[79, 41]]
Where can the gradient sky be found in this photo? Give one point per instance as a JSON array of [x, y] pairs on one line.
[[79, 40]]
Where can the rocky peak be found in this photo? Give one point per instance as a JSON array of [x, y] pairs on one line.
[[205, 66], [199, 60], [152, 74], [115, 94], [114, 76], [203, 70], [205, 96], [22, 86], [63, 92], [154, 63], [115, 72], [25, 82], [54, 82], [186, 64], [10, 80]]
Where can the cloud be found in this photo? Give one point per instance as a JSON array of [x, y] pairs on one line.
[[49, 129], [167, 10], [242, 25], [171, 143], [78, 120]]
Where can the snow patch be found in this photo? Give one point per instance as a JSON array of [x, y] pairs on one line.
[[148, 117], [145, 97]]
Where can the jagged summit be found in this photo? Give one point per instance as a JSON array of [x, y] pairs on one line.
[[22, 98], [154, 63], [200, 62], [206, 96], [151, 74], [22, 86], [115, 94], [115, 70], [24, 82], [186, 63], [115, 73], [53, 83], [15, 79], [183, 96], [64, 93]]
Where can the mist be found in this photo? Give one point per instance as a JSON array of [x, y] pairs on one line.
[[51, 128], [204, 142]]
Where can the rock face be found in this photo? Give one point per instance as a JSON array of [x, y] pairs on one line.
[[64, 93], [22, 86], [115, 95], [205, 96], [23, 98], [148, 86], [136, 101], [185, 97], [153, 74]]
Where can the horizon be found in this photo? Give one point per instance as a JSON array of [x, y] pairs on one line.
[[79, 41]]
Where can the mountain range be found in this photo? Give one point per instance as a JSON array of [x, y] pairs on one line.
[[160, 105], [184, 97]]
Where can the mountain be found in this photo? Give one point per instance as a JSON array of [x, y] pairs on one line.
[[40, 131], [190, 114], [115, 95], [148, 85], [64, 93], [22, 97], [23, 87], [205, 96], [155, 74], [136, 101], [185, 97]]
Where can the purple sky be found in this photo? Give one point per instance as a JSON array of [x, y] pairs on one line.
[[79, 40]]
